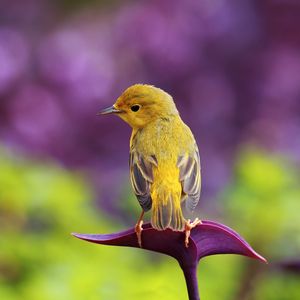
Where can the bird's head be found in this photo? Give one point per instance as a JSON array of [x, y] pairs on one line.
[[141, 104]]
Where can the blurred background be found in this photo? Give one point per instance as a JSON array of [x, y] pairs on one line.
[[233, 68]]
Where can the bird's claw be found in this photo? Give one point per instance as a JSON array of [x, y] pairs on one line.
[[188, 227], [138, 231]]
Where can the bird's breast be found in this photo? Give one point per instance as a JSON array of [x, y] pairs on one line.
[[166, 139]]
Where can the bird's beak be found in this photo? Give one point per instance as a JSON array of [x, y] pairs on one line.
[[108, 110]]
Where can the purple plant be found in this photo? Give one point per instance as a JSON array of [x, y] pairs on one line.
[[206, 239]]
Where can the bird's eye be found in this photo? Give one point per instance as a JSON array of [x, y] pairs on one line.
[[135, 107]]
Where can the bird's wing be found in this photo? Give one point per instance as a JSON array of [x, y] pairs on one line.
[[190, 178], [141, 176]]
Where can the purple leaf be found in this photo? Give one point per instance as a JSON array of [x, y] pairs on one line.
[[206, 239]]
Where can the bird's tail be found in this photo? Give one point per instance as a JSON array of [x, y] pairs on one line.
[[167, 213]]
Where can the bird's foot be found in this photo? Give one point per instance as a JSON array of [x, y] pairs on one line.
[[138, 231], [188, 227]]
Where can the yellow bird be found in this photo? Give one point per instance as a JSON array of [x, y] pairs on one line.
[[164, 158]]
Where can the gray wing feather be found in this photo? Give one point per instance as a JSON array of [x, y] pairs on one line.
[[190, 177], [141, 178]]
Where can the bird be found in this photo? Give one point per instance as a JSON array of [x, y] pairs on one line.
[[164, 159]]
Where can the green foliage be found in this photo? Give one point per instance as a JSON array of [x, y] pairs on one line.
[[263, 202], [218, 277], [277, 286]]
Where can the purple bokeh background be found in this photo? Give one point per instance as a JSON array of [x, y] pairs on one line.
[[233, 68]]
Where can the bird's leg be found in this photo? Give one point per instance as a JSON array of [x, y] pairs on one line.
[[139, 229], [188, 227]]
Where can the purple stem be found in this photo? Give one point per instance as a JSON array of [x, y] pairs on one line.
[[190, 275]]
